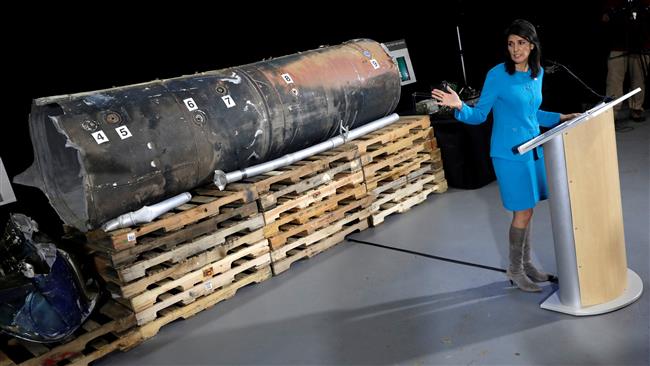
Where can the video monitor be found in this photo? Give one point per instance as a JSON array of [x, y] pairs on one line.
[[400, 54]]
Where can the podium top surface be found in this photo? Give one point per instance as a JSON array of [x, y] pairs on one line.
[[562, 127]]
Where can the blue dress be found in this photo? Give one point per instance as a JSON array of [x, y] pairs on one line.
[[514, 101]]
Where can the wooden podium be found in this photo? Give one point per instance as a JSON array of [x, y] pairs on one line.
[[586, 214]]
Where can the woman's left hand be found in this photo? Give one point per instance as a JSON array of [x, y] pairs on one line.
[[570, 116], [449, 99]]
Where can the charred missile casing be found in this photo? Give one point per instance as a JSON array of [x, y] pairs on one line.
[[103, 153]]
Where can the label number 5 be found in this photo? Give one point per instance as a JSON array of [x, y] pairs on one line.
[[123, 132]]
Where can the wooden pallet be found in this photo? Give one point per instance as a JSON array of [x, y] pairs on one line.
[[403, 199], [193, 285], [400, 171], [169, 240], [302, 170], [386, 167], [319, 241], [344, 208], [424, 137], [302, 243], [206, 202], [317, 194], [407, 175], [99, 335], [304, 215], [171, 269], [138, 269], [181, 311], [401, 128], [397, 195], [268, 201]]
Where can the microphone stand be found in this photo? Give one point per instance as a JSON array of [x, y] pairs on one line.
[[462, 60]]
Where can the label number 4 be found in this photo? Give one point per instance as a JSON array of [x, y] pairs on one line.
[[100, 137]]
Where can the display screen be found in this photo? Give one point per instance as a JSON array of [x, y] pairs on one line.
[[403, 68], [400, 54]]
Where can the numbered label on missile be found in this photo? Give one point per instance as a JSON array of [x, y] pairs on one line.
[[287, 78], [190, 104], [123, 132], [100, 137], [228, 101]]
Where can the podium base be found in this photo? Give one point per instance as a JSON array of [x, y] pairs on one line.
[[631, 293]]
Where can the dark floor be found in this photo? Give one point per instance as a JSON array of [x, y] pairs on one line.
[[362, 304]]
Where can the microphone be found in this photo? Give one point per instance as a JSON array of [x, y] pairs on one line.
[[553, 68]]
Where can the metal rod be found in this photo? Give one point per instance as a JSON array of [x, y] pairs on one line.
[[146, 213], [221, 179], [462, 60]]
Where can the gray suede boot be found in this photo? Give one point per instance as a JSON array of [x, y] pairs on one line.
[[515, 271], [531, 271]]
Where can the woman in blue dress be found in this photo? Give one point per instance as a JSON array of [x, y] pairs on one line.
[[513, 92]]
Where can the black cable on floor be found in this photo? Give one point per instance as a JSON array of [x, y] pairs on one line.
[[427, 255]]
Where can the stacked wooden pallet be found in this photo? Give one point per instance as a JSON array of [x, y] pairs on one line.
[[214, 241], [402, 166], [312, 205]]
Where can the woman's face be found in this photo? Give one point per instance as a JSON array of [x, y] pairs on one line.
[[519, 49]]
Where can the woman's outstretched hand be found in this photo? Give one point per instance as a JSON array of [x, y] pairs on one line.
[[450, 99]]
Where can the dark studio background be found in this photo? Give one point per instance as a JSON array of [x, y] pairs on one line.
[[55, 52]]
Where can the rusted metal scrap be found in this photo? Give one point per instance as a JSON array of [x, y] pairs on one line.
[[103, 153]]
